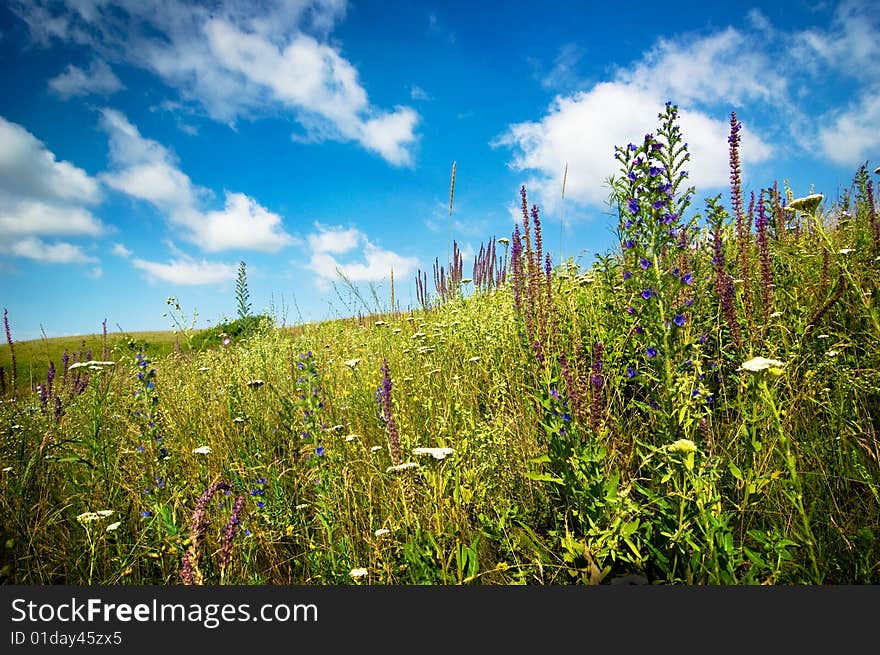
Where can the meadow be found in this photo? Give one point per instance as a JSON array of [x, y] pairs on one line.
[[699, 406]]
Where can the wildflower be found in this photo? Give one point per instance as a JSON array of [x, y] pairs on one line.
[[647, 293], [688, 279], [679, 320], [775, 314], [627, 275], [254, 384], [401, 467], [682, 446], [358, 573], [88, 517], [381, 531], [644, 263], [319, 451], [114, 526], [651, 352], [757, 364], [631, 372], [436, 453], [504, 240], [226, 341], [633, 205], [474, 359], [375, 448], [832, 353], [202, 450], [807, 204], [629, 243], [845, 251]]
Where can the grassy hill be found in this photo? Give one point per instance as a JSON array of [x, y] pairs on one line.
[[701, 406]]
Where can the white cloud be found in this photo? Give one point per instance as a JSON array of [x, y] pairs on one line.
[[187, 272], [242, 223], [96, 273], [29, 169], [26, 216], [238, 60], [50, 253], [42, 197], [145, 169], [334, 239], [121, 251], [418, 93], [581, 129], [74, 81], [375, 265], [851, 136]]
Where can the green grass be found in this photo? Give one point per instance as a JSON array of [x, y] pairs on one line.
[[33, 357], [589, 441]]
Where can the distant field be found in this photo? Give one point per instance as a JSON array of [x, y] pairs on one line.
[[32, 357]]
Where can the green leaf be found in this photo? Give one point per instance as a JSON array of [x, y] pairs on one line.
[[543, 477], [734, 471]]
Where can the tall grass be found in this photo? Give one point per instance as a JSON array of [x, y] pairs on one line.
[[701, 406]]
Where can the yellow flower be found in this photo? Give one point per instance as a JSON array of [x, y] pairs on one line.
[[682, 446]]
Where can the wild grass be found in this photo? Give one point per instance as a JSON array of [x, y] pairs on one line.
[[563, 426]]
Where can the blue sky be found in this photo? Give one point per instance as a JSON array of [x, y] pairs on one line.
[[148, 146]]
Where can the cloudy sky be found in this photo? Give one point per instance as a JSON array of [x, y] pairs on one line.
[[148, 146]]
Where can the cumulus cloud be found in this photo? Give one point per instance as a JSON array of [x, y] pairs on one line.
[[49, 253], [42, 197], [186, 271], [240, 59], [374, 263], [145, 169], [582, 130], [74, 81]]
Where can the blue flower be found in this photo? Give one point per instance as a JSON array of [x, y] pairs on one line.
[[631, 372], [631, 147], [633, 205], [627, 275], [689, 302], [647, 293], [651, 352], [629, 244], [554, 394], [319, 451], [679, 320], [630, 310], [628, 224], [638, 329], [261, 504], [146, 514], [644, 263], [654, 171], [688, 279]]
